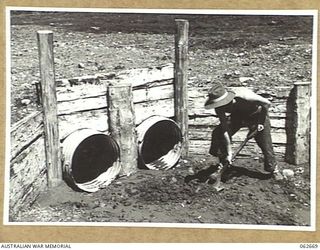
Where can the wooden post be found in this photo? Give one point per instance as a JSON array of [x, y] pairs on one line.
[[298, 124], [181, 81], [121, 121], [49, 104]]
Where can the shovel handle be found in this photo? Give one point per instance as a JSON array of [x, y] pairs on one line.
[[250, 135]]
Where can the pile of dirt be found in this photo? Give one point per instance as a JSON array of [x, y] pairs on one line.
[[250, 196]]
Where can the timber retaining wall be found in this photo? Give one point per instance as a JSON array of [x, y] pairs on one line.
[[82, 103]]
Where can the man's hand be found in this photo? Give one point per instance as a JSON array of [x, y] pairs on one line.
[[226, 161], [260, 127], [229, 158]]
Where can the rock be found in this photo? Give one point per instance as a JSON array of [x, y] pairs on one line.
[[227, 75], [287, 173], [244, 84], [57, 61], [300, 170], [81, 66], [287, 38], [273, 22], [95, 28], [132, 191], [127, 203], [166, 58], [119, 67], [190, 170], [174, 179], [246, 79], [101, 67], [292, 197], [102, 204], [25, 102], [237, 72], [262, 189]]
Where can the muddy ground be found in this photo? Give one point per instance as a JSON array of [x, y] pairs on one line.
[[270, 50]]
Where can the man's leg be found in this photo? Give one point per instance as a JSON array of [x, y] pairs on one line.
[[217, 147], [264, 141]]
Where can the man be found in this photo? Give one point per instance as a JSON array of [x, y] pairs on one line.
[[236, 110]]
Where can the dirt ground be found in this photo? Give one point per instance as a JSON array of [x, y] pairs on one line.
[[270, 50]]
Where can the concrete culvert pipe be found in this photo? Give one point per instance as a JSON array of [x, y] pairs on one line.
[[91, 159], [160, 141]]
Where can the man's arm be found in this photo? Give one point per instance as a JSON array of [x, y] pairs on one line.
[[228, 146], [226, 133], [263, 104], [249, 95]]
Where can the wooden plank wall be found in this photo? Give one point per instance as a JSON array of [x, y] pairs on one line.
[[82, 104], [202, 122], [27, 162]]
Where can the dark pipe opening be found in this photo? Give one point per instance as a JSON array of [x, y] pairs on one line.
[[92, 157], [159, 140]]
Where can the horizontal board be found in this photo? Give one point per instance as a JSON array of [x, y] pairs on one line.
[[85, 91], [79, 105], [202, 147], [76, 92], [91, 98], [213, 121], [277, 92], [153, 93], [25, 169], [94, 119], [196, 106], [209, 121], [278, 135], [24, 132], [277, 115], [147, 109], [201, 112], [196, 102], [278, 108], [141, 76], [278, 122]]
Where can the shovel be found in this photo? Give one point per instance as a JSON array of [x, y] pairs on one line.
[[222, 167]]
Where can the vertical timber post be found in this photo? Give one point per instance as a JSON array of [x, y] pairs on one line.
[[181, 81], [298, 124], [121, 119], [49, 104]]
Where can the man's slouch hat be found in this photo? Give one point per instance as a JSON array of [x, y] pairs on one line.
[[218, 96]]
